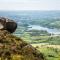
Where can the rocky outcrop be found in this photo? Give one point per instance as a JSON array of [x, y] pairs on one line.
[[7, 24], [14, 48]]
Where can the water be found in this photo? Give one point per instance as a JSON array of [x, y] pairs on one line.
[[38, 27]]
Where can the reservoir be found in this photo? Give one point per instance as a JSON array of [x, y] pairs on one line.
[[49, 30]]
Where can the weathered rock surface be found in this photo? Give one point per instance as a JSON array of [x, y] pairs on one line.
[[7, 24]]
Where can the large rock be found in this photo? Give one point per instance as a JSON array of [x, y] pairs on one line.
[[7, 24]]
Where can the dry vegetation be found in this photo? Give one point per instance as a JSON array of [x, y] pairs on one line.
[[13, 48]]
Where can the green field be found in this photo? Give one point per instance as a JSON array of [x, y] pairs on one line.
[[48, 45], [55, 40], [50, 23], [51, 52]]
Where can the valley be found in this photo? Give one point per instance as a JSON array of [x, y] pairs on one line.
[[41, 29]]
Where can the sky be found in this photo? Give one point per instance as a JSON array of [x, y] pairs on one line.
[[29, 4]]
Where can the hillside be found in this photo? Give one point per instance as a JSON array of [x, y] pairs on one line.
[[48, 22], [13, 48]]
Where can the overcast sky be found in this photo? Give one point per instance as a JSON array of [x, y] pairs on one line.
[[29, 4]]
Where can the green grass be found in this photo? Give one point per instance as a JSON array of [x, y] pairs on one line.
[[50, 53], [41, 39]]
